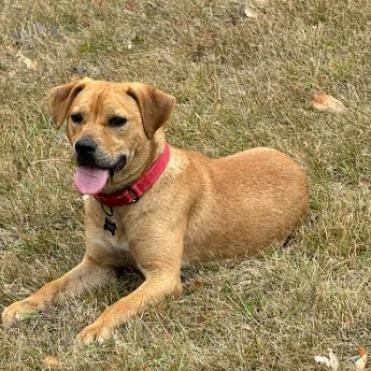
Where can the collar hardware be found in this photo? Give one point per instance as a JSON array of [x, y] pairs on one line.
[[135, 191], [109, 226]]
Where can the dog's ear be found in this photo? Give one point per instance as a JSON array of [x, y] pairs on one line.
[[155, 106], [60, 99]]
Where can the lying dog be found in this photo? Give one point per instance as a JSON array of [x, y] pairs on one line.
[[157, 206]]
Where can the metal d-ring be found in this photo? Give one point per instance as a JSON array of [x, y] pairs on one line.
[[108, 212]]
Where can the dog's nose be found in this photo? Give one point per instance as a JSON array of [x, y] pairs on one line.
[[85, 146]]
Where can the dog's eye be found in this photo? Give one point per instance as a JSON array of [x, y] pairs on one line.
[[117, 121], [76, 118]]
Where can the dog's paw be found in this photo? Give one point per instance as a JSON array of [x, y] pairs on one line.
[[18, 311], [96, 332]]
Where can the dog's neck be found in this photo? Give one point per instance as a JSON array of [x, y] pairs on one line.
[[145, 156]]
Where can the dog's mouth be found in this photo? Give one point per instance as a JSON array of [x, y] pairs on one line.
[[91, 177]]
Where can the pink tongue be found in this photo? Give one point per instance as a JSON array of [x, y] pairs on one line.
[[90, 180]]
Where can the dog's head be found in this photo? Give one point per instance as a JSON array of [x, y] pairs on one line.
[[111, 126]]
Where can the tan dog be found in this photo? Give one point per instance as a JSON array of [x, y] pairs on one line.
[[198, 209]]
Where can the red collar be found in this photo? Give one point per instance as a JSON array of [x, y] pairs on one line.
[[135, 191]]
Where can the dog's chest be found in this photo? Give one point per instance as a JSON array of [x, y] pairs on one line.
[[108, 243], [105, 234], [117, 245]]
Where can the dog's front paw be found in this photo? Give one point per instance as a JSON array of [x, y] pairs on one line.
[[19, 311], [96, 332]]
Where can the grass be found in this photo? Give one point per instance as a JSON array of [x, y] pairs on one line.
[[239, 83]]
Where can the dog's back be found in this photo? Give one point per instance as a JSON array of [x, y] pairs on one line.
[[243, 203]]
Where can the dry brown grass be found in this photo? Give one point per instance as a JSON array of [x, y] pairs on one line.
[[239, 83]]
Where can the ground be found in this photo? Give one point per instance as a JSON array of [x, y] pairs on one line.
[[239, 82]]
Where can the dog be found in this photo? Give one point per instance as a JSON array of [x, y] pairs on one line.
[[155, 206]]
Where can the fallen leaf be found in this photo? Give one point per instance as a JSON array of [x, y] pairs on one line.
[[198, 284], [131, 6], [51, 361], [360, 363], [207, 39], [331, 361], [247, 12], [325, 102], [201, 318], [365, 182]]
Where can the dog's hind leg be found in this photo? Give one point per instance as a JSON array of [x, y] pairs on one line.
[[86, 275]]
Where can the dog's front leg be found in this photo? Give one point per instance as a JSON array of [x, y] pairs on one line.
[[159, 258], [155, 288], [84, 276]]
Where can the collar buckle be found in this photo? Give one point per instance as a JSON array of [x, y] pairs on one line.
[[133, 195]]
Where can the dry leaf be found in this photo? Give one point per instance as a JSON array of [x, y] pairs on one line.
[[331, 361], [198, 283], [131, 6], [362, 360], [325, 102], [30, 64], [247, 11], [51, 362], [365, 182]]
